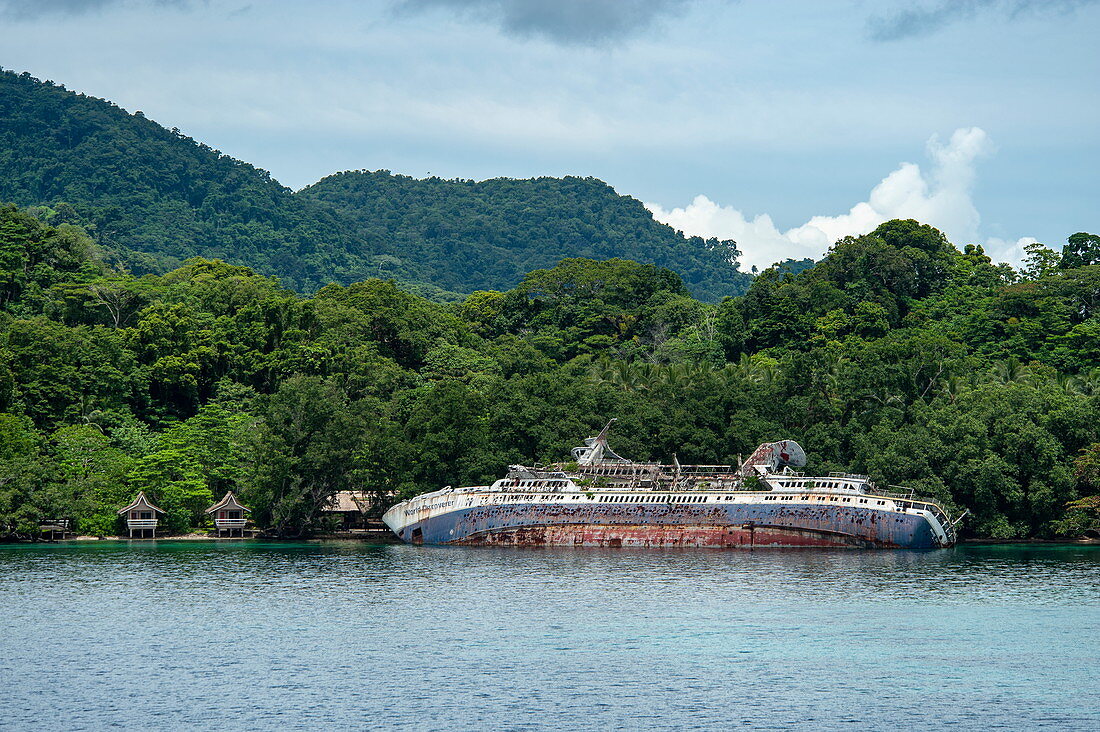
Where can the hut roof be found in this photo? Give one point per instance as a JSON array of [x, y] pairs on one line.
[[345, 501], [140, 501], [228, 501]]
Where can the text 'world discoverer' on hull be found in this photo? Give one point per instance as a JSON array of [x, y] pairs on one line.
[[602, 499]]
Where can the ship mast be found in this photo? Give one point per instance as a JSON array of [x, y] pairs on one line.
[[596, 451]]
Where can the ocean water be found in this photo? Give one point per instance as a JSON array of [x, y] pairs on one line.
[[325, 635]]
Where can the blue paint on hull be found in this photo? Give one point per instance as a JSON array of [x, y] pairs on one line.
[[834, 525]]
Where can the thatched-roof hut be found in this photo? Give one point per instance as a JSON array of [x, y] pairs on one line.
[[141, 515], [229, 515], [350, 507]]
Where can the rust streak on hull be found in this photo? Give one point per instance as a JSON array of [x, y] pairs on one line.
[[670, 536]]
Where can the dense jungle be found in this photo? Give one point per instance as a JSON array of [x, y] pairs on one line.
[[897, 355]]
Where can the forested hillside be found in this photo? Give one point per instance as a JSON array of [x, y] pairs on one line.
[[152, 197], [896, 355], [487, 235]]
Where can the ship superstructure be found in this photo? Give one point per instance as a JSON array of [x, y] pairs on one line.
[[602, 499]]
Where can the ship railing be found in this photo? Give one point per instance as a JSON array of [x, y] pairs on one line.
[[897, 491], [646, 468], [937, 512], [941, 516], [694, 469], [850, 476]]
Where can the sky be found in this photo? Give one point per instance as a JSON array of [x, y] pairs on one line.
[[783, 125]]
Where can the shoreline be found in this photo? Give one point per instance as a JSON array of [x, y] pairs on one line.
[[1081, 540], [370, 536], [387, 537]]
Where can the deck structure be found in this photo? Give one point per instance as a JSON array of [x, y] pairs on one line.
[[229, 516], [602, 499], [141, 516]]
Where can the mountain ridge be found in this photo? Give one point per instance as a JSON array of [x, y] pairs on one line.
[[156, 197]]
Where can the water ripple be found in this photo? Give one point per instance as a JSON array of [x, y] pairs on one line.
[[315, 635]]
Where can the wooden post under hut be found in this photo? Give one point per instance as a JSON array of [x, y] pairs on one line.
[[141, 516], [54, 529], [229, 515]]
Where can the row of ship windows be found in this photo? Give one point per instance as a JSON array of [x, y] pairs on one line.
[[657, 499], [701, 499], [828, 498], [676, 499], [534, 484], [629, 470], [814, 484]]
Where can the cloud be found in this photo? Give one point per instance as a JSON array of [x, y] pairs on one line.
[[1007, 250], [941, 197], [29, 9], [568, 22], [923, 20]]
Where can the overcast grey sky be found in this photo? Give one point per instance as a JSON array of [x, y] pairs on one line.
[[780, 124]]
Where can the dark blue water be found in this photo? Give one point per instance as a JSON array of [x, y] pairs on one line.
[[255, 636]]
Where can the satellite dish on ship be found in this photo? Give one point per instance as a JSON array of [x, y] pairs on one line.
[[771, 457], [789, 452]]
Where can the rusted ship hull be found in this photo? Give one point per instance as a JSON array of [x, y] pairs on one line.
[[719, 527], [698, 537]]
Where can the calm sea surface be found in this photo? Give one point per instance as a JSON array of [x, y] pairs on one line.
[[276, 636]]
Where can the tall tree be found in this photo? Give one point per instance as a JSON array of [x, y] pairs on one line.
[[305, 450]]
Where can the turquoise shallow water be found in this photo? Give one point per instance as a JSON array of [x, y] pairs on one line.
[[277, 636]]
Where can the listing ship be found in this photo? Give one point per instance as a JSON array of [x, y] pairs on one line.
[[603, 500]]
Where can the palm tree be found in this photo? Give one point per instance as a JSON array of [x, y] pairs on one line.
[[1090, 381], [952, 387], [1010, 371], [1069, 384]]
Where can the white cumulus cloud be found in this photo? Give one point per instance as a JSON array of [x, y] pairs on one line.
[[940, 197]]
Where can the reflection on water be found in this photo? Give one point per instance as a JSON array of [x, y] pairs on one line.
[[311, 635]]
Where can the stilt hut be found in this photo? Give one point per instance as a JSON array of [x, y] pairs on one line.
[[141, 516], [54, 529], [350, 508], [229, 515]]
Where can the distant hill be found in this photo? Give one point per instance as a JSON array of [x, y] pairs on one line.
[[155, 197], [489, 234]]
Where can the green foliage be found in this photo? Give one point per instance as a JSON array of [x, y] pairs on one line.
[[1082, 517], [20, 475], [304, 448], [153, 198], [465, 235], [896, 355], [217, 439], [89, 481], [172, 479], [1081, 250]]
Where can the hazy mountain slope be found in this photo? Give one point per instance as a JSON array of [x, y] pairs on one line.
[[156, 197], [157, 192], [464, 234]]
